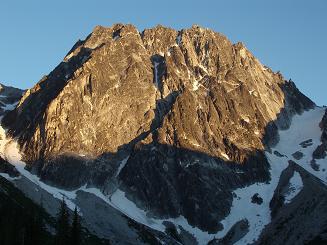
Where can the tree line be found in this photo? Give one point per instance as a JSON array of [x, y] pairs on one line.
[[25, 224], [67, 233]]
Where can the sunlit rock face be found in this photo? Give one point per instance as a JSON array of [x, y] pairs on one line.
[[192, 112]]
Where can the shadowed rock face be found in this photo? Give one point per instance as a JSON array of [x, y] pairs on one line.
[[321, 150], [238, 230], [7, 168], [193, 112], [9, 96]]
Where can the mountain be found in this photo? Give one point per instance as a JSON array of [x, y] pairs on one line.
[[181, 133], [9, 98]]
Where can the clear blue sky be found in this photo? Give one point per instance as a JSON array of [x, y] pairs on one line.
[[290, 36]]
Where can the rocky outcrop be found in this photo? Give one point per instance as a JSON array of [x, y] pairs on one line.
[[7, 168], [321, 150], [191, 112]]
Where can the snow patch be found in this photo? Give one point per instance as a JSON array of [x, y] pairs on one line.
[[243, 53], [6, 176], [156, 74], [295, 186], [122, 165], [195, 85], [203, 68], [225, 156], [69, 56], [10, 107], [246, 119], [179, 39]]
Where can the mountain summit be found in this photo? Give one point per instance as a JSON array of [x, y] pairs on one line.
[[180, 131]]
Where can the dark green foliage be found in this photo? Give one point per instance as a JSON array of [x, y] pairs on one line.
[[71, 232], [35, 230], [21, 221], [63, 226], [76, 229]]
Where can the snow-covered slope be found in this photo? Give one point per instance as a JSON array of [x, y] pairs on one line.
[[303, 136], [304, 127]]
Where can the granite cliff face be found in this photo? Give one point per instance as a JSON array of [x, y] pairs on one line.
[[176, 119]]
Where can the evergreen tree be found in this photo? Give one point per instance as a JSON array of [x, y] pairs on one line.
[[63, 227], [76, 229], [34, 229]]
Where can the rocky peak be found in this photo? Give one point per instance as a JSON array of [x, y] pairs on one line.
[[188, 108]]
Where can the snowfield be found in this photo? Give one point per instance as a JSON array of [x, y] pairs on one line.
[[303, 127], [121, 166]]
